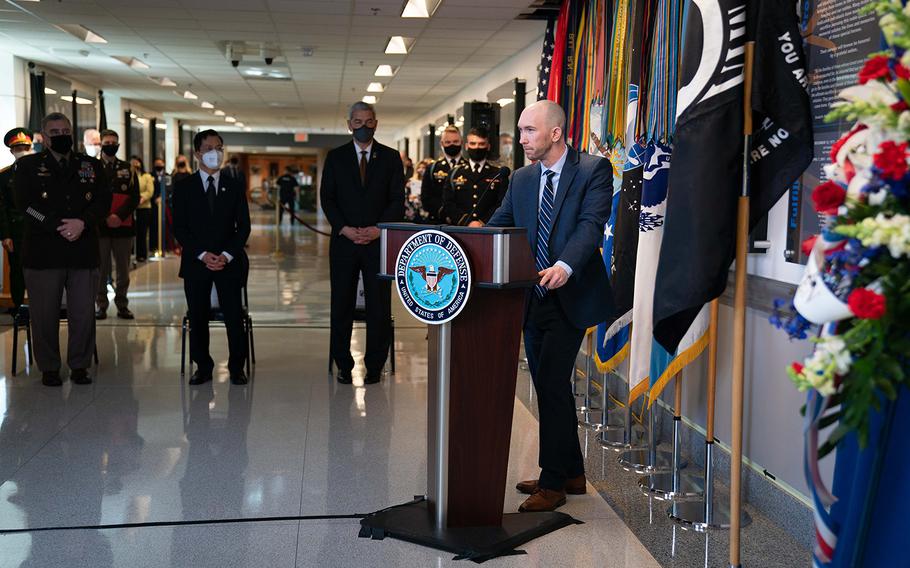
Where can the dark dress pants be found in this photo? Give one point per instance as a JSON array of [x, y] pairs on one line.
[[347, 261], [551, 344], [154, 225], [198, 299], [143, 223], [291, 205]]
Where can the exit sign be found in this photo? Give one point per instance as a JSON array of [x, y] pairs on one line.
[[301, 137]]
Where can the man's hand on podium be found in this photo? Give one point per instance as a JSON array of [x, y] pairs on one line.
[[553, 277], [475, 224]]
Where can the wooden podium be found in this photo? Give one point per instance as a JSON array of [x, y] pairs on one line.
[[472, 369]]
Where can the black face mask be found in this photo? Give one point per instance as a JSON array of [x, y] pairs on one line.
[[110, 150], [62, 144], [159, 169], [452, 151], [181, 164], [234, 162], [478, 154], [364, 134]]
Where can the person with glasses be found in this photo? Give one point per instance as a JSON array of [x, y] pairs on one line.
[[362, 185]]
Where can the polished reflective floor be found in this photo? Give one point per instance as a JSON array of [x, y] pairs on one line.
[[140, 446]]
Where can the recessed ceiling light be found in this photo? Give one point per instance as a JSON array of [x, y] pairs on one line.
[[49, 91], [81, 33], [247, 129], [505, 102], [239, 124], [189, 95], [420, 8], [165, 82], [206, 104], [142, 120], [66, 98], [385, 71], [230, 119], [219, 113], [369, 99], [161, 125], [375, 88], [133, 115], [84, 101], [131, 61], [255, 72], [399, 45]]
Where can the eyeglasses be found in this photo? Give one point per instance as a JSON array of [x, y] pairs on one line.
[[357, 123]]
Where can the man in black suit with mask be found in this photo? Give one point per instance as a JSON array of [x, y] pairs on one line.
[[212, 224], [362, 185]]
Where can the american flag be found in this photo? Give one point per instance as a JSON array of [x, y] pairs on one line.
[[546, 61]]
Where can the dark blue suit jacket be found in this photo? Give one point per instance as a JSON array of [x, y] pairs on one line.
[[581, 209]]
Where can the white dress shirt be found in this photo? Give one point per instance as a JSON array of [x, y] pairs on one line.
[[205, 185], [557, 169], [368, 150]]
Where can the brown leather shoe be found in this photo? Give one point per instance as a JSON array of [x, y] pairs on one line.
[[574, 486], [543, 500]]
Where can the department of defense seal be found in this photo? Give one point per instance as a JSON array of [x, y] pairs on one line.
[[433, 277]]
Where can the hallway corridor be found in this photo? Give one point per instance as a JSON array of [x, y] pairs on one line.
[[140, 446]]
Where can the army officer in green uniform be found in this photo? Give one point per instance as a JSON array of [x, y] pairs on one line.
[[474, 190], [63, 196], [19, 142]]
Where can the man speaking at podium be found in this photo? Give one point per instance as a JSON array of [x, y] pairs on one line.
[[564, 201]]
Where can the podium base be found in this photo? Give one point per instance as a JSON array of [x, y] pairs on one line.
[[412, 522]]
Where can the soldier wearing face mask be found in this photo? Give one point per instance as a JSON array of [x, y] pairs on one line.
[[117, 231], [474, 190], [64, 196], [19, 142], [434, 180]]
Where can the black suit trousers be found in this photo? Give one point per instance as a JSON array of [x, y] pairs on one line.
[[551, 344], [347, 261], [198, 299]]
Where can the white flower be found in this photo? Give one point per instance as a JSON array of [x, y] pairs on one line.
[[873, 92], [877, 198], [903, 121]]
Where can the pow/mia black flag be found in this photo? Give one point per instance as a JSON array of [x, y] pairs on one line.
[[706, 177]]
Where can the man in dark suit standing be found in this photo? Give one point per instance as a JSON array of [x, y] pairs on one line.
[[233, 173], [212, 224], [362, 185], [564, 201]]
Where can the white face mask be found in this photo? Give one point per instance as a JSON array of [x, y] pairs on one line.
[[18, 155], [212, 159], [506, 150], [92, 150]]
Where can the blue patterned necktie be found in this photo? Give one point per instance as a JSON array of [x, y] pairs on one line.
[[544, 224]]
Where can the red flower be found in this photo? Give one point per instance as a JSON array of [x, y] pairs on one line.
[[875, 68], [797, 368], [809, 244], [891, 160], [900, 106], [827, 197], [843, 140], [866, 304], [901, 71]]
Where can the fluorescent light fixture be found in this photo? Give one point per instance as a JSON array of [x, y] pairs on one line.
[[84, 101], [230, 119], [189, 95], [247, 129], [163, 81], [219, 113], [369, 99], [505, 102], [49, 91], [206, 104], [255, 72], [134, 115], [81, 33], [239, 124], [66, 98], [420, 8], [142, 120], [375, 88], [161, 125], [399, 45], [385, 71]]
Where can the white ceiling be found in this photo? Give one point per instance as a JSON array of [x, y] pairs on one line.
[[182, 40]]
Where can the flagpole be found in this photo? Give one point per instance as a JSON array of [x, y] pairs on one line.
[[739, 324]]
